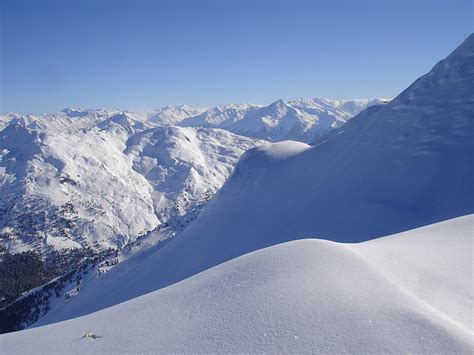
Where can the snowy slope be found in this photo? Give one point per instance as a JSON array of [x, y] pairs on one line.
[[390, 169], [302, 120], [108, 184], [409, 292], [184, 165], [80, 190]]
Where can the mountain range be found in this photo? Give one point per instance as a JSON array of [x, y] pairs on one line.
[[82, 187], [359, 242]]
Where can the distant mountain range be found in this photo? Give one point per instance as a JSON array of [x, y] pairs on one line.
[[301, 119]]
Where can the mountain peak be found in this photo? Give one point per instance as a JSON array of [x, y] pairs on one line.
[[449, 80], [278, 106], [462, 54], [278, 103]]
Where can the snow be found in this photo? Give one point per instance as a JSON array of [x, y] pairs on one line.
[[302, 120], [282, 150], [184, 164], [170, 115], [112, 180], [391, 169], [219, 116], [244, 277], [95, 181], [303, 296], [116, 175]]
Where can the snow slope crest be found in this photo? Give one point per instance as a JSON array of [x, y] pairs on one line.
[[363, 298], [282, 150]]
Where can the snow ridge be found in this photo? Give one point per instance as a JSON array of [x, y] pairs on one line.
[[348, 295]]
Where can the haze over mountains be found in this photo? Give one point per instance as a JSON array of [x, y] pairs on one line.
[[244, 277]]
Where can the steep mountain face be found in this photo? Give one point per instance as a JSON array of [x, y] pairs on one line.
[[296, 297], [302, 120], [391, 168]]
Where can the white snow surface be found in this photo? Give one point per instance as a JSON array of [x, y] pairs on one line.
[[407, 293], [282, 150], [390, 169]]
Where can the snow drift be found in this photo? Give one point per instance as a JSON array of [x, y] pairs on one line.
[[409, 292]]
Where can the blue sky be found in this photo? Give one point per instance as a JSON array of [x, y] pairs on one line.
[[147, 54]]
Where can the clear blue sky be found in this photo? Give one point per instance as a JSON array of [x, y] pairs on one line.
[[147, 54]]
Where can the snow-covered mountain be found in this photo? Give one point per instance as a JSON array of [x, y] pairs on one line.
[[302, 120], [107, 161], [403, 293], [102, 177], [170, 115], [390, 169], [81, 186], [219, 116], [107, 185], [72, 119]]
